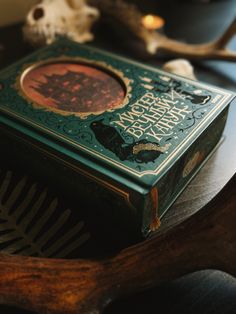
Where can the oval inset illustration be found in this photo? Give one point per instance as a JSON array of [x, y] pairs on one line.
[[69, 88]]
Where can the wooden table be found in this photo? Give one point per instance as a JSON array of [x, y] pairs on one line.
[[205, 291]]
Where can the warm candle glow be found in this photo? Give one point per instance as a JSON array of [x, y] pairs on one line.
[[152, 22]]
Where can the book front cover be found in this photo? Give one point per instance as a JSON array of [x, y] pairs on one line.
[[132, 119]]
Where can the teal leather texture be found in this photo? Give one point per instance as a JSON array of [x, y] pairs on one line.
[[149, 129]]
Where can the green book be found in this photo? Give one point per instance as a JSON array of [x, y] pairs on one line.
[[108, 131]]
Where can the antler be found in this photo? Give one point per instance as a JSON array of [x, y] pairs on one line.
[[206, 240], [157, 42], [129, 15]]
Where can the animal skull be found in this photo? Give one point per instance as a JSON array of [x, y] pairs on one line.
[[50, 19]]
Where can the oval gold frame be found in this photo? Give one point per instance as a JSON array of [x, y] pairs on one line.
[[118, 75]]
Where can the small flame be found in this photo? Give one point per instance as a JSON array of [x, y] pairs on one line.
[[152, 22]]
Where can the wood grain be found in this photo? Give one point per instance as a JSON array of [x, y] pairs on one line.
[[54, 286], [205, 240]]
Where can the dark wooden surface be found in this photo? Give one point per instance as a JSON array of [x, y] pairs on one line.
[[204, 291], [59, 286]]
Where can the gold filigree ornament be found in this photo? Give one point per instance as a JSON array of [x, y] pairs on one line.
[[150, 147], [114, 73]]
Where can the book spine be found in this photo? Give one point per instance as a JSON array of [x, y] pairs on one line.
[[175, 180]]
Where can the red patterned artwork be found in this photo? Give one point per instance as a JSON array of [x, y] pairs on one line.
[[73, 88]]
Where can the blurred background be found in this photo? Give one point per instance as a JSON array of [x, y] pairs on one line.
[[188, 13], [193, 21]]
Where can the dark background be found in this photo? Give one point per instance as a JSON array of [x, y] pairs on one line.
[[205, 292]]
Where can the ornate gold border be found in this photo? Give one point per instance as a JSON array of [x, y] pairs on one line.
[[226, 97], [119, 75]]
